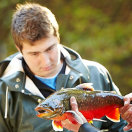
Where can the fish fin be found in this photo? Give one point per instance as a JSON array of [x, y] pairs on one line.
[[95, 119], [91, 122], [114, 115], [73, 117], [57, 126], [114, 92], [85, 86]]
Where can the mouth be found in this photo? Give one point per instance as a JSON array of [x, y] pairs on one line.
[[48, 68], [44, 112]]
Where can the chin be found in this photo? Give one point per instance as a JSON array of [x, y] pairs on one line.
[[46, 75]]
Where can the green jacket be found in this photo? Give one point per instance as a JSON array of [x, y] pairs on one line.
[[19, 96]]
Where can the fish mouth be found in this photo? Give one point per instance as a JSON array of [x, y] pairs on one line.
[[45, 112], [51, 116]]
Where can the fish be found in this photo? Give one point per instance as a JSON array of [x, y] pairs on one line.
[[93, 104]]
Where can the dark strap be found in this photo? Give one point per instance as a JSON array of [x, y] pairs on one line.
[[86, 127]]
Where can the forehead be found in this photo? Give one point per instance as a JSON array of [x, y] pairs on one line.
[[42, 43]]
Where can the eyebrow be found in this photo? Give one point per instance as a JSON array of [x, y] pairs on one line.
[[50, 46], [31, 52]]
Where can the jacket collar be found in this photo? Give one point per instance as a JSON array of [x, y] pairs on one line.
[[75, 68], [16, 79], [76, 63], [72, 59], [15, 65]]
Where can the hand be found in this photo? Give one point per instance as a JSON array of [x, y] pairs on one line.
[[67, 124], [126, 111]]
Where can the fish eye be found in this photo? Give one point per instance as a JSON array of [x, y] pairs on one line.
[[52, 109]]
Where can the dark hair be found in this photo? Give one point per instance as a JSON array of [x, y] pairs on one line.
[[32, 22]]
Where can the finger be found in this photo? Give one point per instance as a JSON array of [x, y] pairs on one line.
[[73, 103], [74, 107], [128, 127], [67, 124], [128, 115], [127, 99], [124, 109]]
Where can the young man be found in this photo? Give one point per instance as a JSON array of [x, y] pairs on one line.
[[41, 67]]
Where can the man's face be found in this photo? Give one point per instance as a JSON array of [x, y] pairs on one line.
[[43, 58]]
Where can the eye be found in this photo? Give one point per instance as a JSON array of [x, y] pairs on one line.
[[52, 47], [49, 49], [34, 53]]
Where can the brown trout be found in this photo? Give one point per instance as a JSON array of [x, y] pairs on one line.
[[92, 104]]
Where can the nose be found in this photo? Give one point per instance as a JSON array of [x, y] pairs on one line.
[[45, 58]]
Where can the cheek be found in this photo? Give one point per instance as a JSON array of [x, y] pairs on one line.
[[31, 62], [56, 56]]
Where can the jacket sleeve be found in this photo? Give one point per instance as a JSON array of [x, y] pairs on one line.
[[114, 127], [4, 122], [86, 127]]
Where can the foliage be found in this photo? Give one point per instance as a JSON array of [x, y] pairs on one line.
[[98, 30]]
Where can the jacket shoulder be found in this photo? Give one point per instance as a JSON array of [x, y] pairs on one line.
[[4, 63], [92, 65], [97, 70]]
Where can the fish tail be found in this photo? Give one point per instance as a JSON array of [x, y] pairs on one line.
[[91, 122]]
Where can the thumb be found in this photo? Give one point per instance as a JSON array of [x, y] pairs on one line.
[[73, 103]]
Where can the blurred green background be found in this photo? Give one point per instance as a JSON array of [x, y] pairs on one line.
[[100, 30]]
